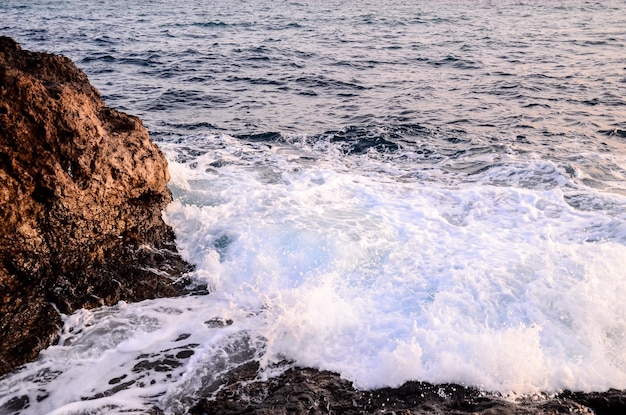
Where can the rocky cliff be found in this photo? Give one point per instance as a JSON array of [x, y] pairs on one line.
[[82, 188]]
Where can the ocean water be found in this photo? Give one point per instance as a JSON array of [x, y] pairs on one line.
[[393, 190]]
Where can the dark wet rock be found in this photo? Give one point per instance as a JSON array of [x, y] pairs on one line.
[[82, 188], [115, 381], [309, 391], [612, 402], [15, 404], [218, 323], [182, 337], [166, 364], [117, 388], [185, 354]]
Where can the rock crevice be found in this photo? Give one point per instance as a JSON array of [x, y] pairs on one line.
[[82, 188]]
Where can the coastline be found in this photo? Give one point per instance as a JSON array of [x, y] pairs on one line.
[[126, 259]]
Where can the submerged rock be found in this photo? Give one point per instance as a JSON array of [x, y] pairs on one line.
[[82, 188]]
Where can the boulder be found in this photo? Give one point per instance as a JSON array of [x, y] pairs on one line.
[[82, 188]]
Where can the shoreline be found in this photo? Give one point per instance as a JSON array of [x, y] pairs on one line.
[[69, 283]]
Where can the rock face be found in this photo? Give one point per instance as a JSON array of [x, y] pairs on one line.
[[82, 188]]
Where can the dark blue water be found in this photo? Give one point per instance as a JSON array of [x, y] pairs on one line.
[[547, 76], [393, 190], [499, 68]]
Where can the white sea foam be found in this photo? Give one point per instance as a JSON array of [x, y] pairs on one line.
[[340, 263], [506, 287]]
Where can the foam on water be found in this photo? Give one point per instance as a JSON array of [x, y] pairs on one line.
[[355, 265], [508, 288], [129, 358]]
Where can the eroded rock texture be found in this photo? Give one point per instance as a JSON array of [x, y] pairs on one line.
[[301, 391], [82, 188]]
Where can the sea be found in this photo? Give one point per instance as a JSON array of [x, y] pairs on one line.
[[393, 190]]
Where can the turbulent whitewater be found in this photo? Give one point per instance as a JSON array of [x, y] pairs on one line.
[[419, 191]]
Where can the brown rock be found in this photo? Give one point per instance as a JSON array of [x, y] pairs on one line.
[[82, 188]]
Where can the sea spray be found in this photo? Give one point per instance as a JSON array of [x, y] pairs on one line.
[[340, 263], [492, 284]]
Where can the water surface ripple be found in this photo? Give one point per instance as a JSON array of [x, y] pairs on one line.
[[493, 67]]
